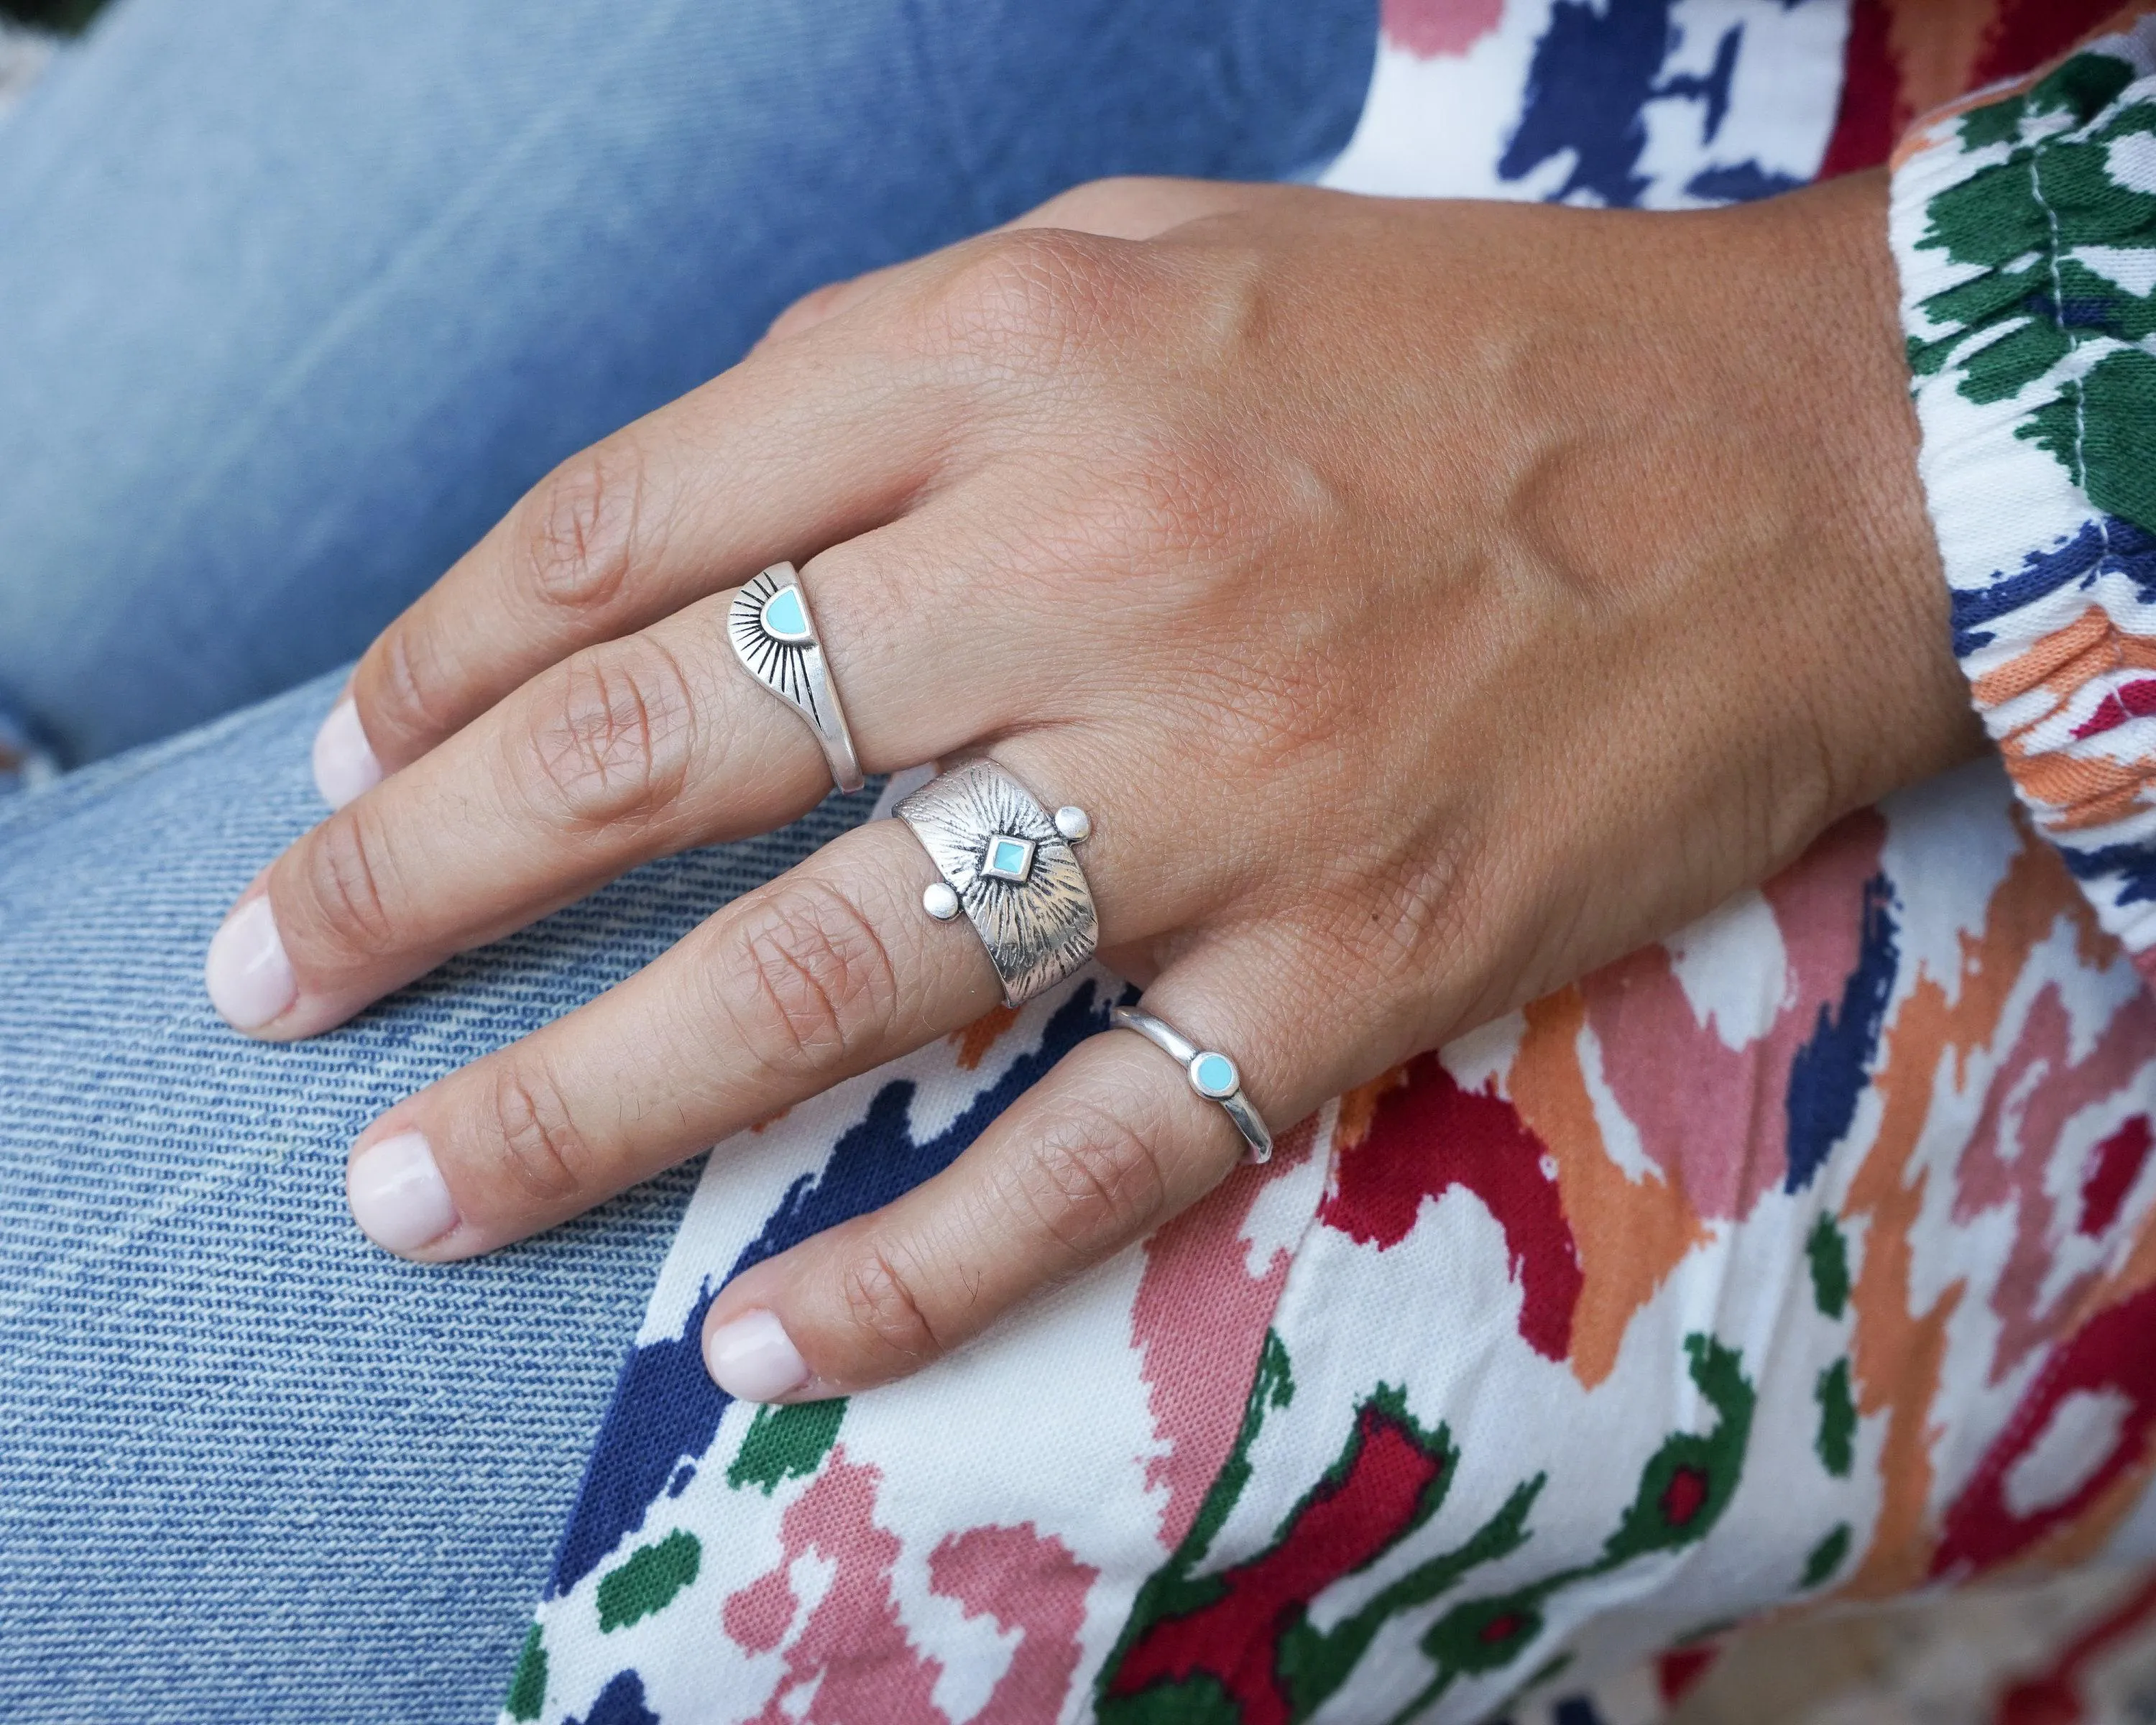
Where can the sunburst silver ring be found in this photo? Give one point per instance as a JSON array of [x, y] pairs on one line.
[[774, 636], [1007, 864]]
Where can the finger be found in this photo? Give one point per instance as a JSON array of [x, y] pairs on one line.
[[828, 971], [1108, 1146], [792, 451], [628, 751]]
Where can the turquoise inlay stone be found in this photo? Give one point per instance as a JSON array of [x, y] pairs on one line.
[[786, 618], [1008, 859], [1213, 1075]]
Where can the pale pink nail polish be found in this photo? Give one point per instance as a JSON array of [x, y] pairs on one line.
[[751, 1358], [397, 1193], [249, 978], [344, 760]]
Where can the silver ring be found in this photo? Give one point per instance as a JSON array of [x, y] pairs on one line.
[[1007, 864], [1211, 1074], [775, 639]]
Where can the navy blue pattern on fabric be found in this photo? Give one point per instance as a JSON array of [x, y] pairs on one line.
[[1829, 1072], [2110, 544], [621, 1703]]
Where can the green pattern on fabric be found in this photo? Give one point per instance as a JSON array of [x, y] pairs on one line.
[[1829, 1255], [648, 1581], [1826, 1558], [786, 1442], [2040, 226], [1836, 1442], [527, 1689]]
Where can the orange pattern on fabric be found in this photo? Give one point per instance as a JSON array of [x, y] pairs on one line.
[[1897, 1350], [1630, 1234]]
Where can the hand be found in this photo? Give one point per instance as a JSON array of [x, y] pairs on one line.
[[1429, 601]]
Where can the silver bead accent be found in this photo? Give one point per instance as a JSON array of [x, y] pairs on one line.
[[1074, 823], [941, 901]]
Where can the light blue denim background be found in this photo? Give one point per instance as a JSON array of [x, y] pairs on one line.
[[296, 300]]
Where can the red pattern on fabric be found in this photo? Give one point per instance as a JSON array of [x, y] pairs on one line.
[[2110, 1352], [1870, 118], [2112, 1170], [2054, 1698], [1876, 105], [2136, 700], [1678, 1670], [1430, 1135], [1343, 1525]]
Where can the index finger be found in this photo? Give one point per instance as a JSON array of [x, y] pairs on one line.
[[797, 447]]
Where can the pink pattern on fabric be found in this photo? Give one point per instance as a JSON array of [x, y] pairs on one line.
[[1713, 1117], [852, 1654], [1430, 28], [1028, 1584], [2037, 1090], [1199, 1321]]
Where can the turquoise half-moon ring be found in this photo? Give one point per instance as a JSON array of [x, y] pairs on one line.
[[1211, 1074], [775, 639]]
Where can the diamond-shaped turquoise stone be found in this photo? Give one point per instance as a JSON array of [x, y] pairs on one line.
[[786, 618], [1213, 1075], [1008, 859]]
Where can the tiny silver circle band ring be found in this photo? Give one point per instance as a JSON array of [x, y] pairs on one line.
[[1211, 1074], [1010, 866], [774, 637]]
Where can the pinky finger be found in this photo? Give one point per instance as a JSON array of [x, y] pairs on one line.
[[1109, 1146]]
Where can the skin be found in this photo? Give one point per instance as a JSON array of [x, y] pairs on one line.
[[1430, 601]]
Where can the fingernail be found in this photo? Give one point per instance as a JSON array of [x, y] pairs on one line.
[[396, 1195], [751, 1358], [249, 978], [344, 761]]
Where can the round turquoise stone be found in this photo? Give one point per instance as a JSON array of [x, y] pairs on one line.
[[1215, 1076], [785, 618]]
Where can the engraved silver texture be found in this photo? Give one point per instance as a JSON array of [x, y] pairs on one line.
[[1038, 930], [794, 669], [1257, 1137]]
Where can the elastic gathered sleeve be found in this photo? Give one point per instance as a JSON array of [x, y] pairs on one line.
[[2024, 228]]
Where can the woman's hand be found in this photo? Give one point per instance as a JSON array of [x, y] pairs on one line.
[[1430, 602]]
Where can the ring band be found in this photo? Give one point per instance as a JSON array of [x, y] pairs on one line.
[[775, 639], [1212, 1075], [1007, 864]]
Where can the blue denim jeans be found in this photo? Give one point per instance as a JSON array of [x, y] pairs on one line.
[[297, 299]]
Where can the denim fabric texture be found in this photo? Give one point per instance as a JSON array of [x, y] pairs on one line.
[[298, 299], [251, 1467]]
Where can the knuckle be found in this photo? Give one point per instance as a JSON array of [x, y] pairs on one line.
[[537, 1150], [805, 979], [1022, 300], [1093, 1182], [408, 692], [580, 527], [347, 885], [610, 738], [883, 1304]]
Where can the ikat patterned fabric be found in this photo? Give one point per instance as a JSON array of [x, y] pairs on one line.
[[1808, 1256], [2025, 225]]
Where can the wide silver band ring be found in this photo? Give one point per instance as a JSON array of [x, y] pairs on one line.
[[1009, 864], [1211, 1074], [774, 637]]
